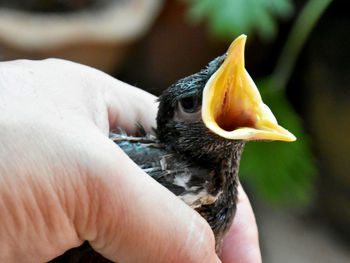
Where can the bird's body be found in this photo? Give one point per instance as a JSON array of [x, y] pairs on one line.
[[203, 123], [207, 184]]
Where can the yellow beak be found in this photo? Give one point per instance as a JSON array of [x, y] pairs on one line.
[[232, 106]]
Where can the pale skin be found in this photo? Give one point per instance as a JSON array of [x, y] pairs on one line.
[[62, 181]]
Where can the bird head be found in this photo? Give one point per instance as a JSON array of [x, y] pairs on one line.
[[216, 108]]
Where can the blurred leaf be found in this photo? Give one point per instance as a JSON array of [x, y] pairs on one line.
[[229, 18], [280, 172]]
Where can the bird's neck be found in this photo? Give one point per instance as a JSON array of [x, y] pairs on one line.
[[227, 167], [222, 166]]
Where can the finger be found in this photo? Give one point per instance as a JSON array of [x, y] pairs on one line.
[[135, 219], [241, 243], [128, 105]]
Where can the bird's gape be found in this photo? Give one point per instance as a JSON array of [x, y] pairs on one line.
[[231, 116], [229, 122]]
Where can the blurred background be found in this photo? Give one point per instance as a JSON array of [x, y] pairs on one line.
[[298, 54]]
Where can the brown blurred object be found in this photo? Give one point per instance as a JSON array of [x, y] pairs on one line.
[[98, 37], [173, 49]]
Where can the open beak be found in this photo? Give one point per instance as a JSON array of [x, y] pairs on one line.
[[232, 106]]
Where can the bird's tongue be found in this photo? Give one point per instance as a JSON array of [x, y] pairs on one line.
[[232, 106]]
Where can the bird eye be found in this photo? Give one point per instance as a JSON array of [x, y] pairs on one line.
[[189, 104], [189, 110]]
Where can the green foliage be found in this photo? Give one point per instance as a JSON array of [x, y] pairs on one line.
[[229, 18], [280, 172]]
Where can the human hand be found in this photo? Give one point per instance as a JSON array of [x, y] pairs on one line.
[[62, 181]]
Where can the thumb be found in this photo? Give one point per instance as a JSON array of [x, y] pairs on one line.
[[132, 218]]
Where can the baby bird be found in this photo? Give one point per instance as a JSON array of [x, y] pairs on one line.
[[203, 123]]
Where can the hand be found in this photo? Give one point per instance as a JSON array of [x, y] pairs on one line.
[[62, 181]]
